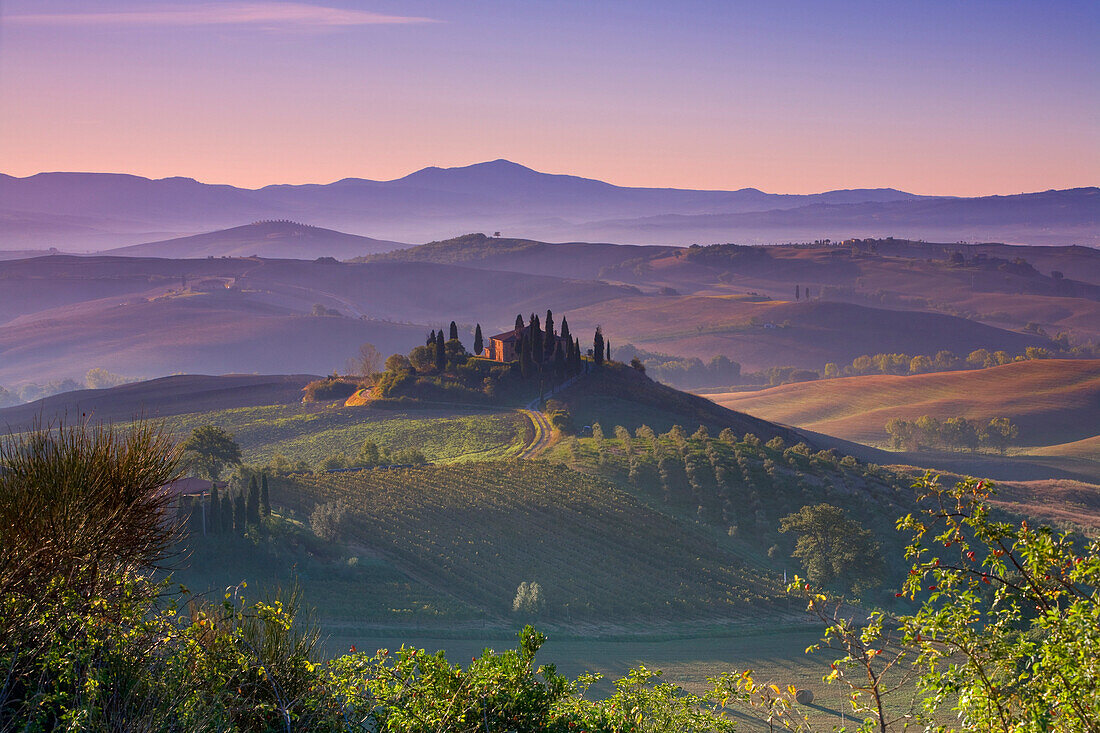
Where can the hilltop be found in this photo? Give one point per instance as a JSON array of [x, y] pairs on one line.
[[268, 239]]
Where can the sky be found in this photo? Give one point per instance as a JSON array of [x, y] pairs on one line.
[[954, 98]]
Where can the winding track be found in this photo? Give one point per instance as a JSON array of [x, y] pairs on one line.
[[542, 434]]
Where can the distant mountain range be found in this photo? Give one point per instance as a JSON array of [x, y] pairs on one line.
[[101, 211]]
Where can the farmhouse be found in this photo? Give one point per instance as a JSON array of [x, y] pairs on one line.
[[506, 346]]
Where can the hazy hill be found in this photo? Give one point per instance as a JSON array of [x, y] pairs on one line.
[[1053, 401], [62, 315], [1071, 216], [270, 239], [567, 259], [805, 334], [434, 203], [159, 398]]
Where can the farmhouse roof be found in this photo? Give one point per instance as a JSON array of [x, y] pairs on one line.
[[509, 335]]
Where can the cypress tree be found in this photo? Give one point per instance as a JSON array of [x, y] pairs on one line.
[[239, 513], [548, 340], [226, 512], [578, 364], [525, 364], [252, 503], [215, 519], [536, 340], [479, 341], [796, 292], [559, 360], [440, 351], [265, 497], [431, 339], [519, 321], [597, 346], [607, 350], [454, 331], [565, 330]]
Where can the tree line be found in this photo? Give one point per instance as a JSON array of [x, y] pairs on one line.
[[954, 433]]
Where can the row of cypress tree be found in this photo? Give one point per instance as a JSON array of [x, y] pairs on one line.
[[240, 510]]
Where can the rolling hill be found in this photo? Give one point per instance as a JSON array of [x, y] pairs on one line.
[[1053, 401], [268, 239], [435, 203], [159, 398], [806, 334]]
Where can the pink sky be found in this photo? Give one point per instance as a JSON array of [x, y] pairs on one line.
[[946, 98]]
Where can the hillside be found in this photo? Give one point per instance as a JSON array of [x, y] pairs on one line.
[[762, 333], [1053, 401], [268, 239], [568, 259], [62, 315], [159, 398], [478, 530]]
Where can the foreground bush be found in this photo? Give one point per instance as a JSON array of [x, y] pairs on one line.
[[1004, 639]]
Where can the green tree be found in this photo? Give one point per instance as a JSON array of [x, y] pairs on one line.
[[252, 502], [479, 341], [1000, 433], [209, 449], [834, 549], [453, 335], [597, 346], [440, 352], [265, 497], [519, 321], [215, 519], [240, 513]]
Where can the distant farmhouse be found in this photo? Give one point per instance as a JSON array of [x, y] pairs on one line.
[[508, 346]]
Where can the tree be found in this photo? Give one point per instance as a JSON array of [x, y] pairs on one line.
[[209, 449], [528, 599], [265, 497], [422, 358], [597, 346], [519, 321], [440, 352], [796, 292], [252, 502], [430, 341], [240, 513], [834, 549], [920, 364], [215, 511], [328, 521], [607, 350], [398, 363], [549, 340], [367, 362], [479, 341], [537, 348], [565, 329], [999, 434], [453, 336]]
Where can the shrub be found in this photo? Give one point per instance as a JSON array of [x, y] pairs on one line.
[[329, 520]]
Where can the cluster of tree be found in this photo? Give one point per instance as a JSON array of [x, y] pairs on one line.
[[443, 369], [371, 455], [1015, 266], [954, 433], [687, 373], [96, 378], [236, 512]]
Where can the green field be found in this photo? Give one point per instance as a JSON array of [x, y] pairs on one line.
[[477, 530], [310, 432]]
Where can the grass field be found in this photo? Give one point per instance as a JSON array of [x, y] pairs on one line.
[[1053, 401], [478, 530], [310, 432]]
